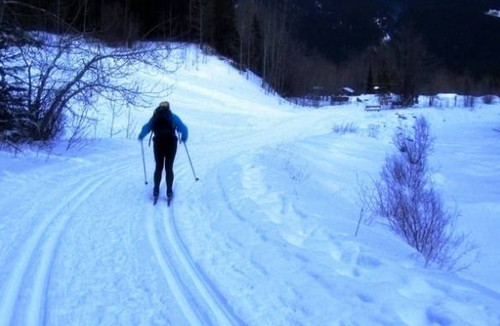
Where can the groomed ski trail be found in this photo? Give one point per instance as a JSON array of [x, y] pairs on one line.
[[37, 259], [32, 269], [117, 258], [175, 260]]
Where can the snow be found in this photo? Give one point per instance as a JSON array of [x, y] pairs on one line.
[[493, 12], [265, 237]]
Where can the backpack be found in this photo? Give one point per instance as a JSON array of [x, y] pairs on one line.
[[162, 124]]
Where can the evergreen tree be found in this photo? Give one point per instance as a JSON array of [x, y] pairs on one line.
[[2, 5], [14, 118], [255, 51], [225, 34], [369, 82], [458, 32]]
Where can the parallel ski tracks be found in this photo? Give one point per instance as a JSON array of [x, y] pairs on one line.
[[32, 272], [198, 298], [24, 297]]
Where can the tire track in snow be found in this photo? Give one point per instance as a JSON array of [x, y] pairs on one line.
[[47, 243]]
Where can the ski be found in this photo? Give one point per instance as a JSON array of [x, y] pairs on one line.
[[169, 200]]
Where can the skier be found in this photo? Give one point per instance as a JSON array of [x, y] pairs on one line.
[[164, 125]]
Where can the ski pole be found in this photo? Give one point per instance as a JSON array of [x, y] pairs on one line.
[[190, 162], [144, 163]]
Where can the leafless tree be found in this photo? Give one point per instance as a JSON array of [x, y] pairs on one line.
[[2, 6], [65, 79], [57, 85], [249, 20], [201, 19], [276, 46]]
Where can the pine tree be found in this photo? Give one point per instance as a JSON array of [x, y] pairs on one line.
[[369, 82], [225, 34], [255, 51], [14, 120], [1, 11]]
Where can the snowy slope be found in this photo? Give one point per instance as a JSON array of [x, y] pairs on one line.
[[266, 237]]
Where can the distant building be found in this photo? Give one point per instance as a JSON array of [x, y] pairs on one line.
[[342, 96]]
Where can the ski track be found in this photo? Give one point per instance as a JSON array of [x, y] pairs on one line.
[[174, 260], [206, 289], [24, 299], [25, 295], [45, 239], [172, 278]]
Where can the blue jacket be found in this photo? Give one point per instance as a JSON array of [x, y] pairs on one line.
[[180, 127]]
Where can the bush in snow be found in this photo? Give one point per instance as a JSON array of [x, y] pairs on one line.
[[373, 130], [405, 196], [345, 128], [488, 99]]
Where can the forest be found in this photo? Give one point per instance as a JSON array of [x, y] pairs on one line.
[[301, 47]]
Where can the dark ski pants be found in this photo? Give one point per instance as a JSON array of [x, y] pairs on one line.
[[164, 150]]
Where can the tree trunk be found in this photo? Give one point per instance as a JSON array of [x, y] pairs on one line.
[[1, 12]]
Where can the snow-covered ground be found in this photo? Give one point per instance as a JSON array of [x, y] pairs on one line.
[[493, 12], [265, 237]]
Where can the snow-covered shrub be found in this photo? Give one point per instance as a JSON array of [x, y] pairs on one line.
[[488, 99], [405, 196], [469, 101], [345, 128], [373, 130]]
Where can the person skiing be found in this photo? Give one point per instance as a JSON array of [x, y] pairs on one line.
[[164, 125]]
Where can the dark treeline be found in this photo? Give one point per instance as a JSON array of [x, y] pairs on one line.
[[124, 21], [300, 47], [404, 46]]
